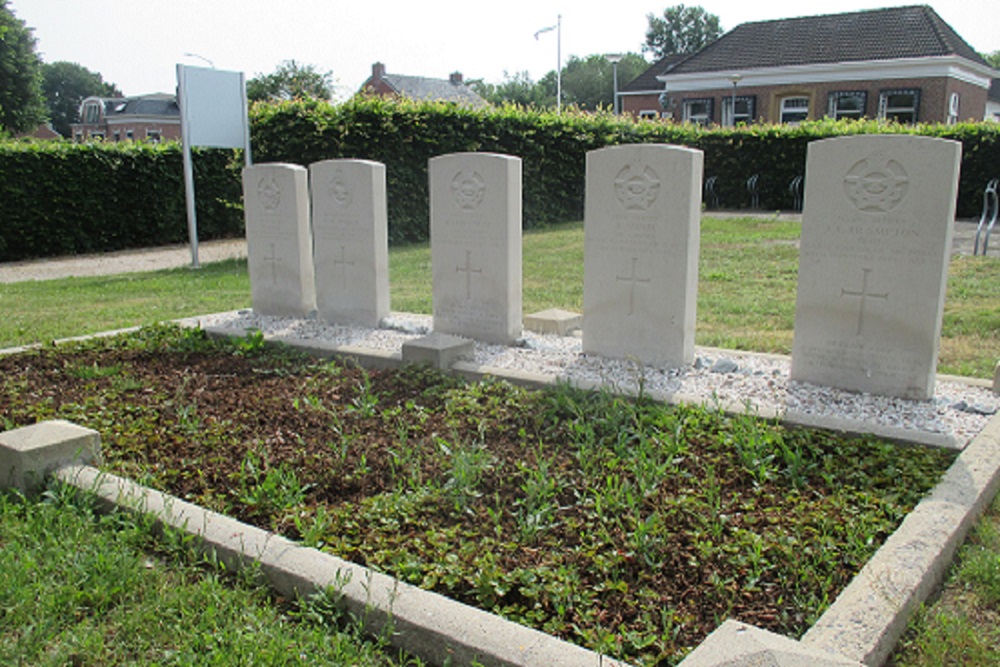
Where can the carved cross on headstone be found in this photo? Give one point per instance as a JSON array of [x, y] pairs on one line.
[[632, 279], [343, 263], [468, 271], [864, 294], [273, 260]]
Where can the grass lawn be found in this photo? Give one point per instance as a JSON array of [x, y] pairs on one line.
[[82, 589]]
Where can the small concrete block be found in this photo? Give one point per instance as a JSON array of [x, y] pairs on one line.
[[553, 321], [437, 349], [735, 644], [28, 454], [996, 379]]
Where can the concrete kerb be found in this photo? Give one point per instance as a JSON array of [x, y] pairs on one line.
[[862, 625]]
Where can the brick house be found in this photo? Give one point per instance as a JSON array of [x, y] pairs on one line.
[[452, 89], [153, 118], [901, 63]]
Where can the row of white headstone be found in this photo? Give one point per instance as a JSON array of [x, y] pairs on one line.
[[875, 244]]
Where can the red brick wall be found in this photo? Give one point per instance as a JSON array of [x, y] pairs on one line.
[[933, 107]]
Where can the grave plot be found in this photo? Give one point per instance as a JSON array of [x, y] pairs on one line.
[[628, 527]]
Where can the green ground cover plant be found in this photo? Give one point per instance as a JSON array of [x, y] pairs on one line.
[[624, 525], [746, 296], [84, 589]]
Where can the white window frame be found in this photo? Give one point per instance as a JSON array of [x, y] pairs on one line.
[[649, 114], [886, 112], [747, 116], [834, 111], [700, 118], [92, 113], [790, 113], [954, 103]]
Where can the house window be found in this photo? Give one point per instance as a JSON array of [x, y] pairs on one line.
[[648, 114], [92, 113], [847, 104], [899, 105], [118, 135], [745, 109], [78, 137], [698, 111], [129, 134], [97, 135], [794, 110], [953, 105], [153, 136]]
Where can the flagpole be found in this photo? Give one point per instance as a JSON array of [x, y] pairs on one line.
[[558, 28], [559, 63]]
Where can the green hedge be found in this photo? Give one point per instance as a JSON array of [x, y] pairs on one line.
[[404, 135], [61, 198]]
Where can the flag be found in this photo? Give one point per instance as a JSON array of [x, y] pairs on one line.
[[551, 27]]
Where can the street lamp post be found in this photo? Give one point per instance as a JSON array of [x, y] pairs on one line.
[[614, 59], [735, 78]]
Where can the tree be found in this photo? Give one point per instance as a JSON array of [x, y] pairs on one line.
[[589, 82], [992, 58], [517, 89], [65, 86], [291, 81], [22, 106], [586, 82], [681, 30]]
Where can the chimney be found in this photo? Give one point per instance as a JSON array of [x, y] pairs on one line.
[[378, 70], [455, 78]]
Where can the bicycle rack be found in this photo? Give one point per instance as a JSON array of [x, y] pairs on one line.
[[752, 189], [795, 190], [991, 210], [711, 196]]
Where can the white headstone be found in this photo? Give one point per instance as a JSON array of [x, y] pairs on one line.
[[641, 242], [476, 245], [876, 239], [279, 240], [350, 241]]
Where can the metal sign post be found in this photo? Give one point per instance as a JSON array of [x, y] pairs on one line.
[[213, 106]]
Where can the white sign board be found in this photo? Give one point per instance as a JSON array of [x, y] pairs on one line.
[[213, 107]]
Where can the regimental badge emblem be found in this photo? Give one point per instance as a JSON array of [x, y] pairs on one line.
[[269, 194], [876, 184], [637, 187], [340, 191], [468, 190]]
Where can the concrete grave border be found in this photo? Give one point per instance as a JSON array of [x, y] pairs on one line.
[[861, 627]]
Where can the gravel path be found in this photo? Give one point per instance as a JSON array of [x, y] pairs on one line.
[[124, 261]]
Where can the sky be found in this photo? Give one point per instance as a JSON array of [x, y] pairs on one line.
[[136, 44]]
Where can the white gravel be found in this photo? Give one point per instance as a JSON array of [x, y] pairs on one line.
[[957, 410]]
